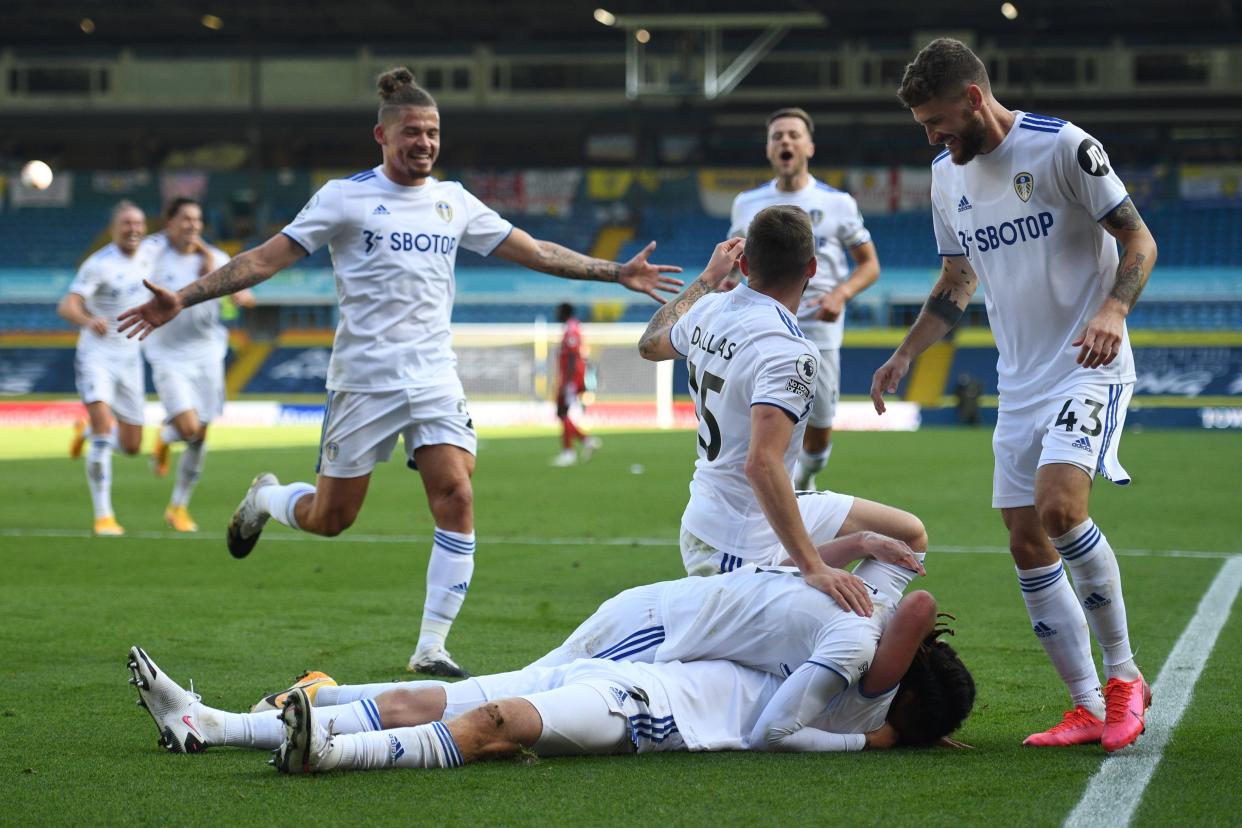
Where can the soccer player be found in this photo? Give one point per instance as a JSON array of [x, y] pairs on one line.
[[752, 373], [107, 365], [916, 692], [838, 228], [393, 231], [187, 355], [570, 383], [1029, 205]]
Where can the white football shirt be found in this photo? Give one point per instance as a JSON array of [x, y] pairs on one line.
[[742, 349], [110, 282], [196, 334], [1027, 216], [838, 227], [393, 252], [769, 619]]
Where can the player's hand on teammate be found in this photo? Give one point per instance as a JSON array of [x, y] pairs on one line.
[[641, 276], [1101, 341], [140, 321], [892, 551], [845, 588], [886, 379], [829, 306], [882, 738]]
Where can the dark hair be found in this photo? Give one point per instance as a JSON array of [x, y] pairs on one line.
[[565, 312], [937, 693], [943, 69], [176, 204], [121, 206], [779, 243], [793, 112], [397, 89]]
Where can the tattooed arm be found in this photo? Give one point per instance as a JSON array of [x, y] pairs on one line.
[[245, 271], [1100, 342], [656, 344], [940, 313], [548, 257]]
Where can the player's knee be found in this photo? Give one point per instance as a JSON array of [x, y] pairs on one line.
[[916, 535], [333, 522], [454, 501], [1059, 514], [130, 445]]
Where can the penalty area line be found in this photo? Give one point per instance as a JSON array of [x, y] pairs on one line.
[[1114, 793]]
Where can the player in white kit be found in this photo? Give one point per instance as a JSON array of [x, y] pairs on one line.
[[187, 355], [393, 232], [107, 365], [839, 231], [752, 373], [915, 692], [1028, 205]]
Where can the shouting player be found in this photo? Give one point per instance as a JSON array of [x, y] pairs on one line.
[[1029, 205], [838, 228], [393, 232]]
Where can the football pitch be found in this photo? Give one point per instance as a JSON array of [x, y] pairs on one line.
[[552, 544]]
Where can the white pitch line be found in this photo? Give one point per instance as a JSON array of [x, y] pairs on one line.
[[1116, 790], [519, 540]]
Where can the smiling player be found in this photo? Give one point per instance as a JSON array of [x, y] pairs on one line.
[[393, 232]]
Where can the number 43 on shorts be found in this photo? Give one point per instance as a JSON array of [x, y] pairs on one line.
[[1067, 418]]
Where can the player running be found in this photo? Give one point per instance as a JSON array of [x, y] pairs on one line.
[[838, 228], [107, 365], [187, 355], [393, 232], [1029, 205], [752, 374]]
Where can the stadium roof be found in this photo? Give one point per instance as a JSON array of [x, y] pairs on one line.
[[329, 24]]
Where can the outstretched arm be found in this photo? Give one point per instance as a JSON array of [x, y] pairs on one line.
[[247, 270], [655, 343], [1101, 340], [940, 313], [637, 274]]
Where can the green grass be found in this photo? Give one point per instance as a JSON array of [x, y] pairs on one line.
[[74, 747]]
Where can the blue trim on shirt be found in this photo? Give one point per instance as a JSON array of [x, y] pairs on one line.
[[831, 667], [866, 695], [775, 404], [939, 157], [1114, 207], [1053, 130], [1046, 119], [296, 241], [502, 241]]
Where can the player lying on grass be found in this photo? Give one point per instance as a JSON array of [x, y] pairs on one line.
[[916, 692]]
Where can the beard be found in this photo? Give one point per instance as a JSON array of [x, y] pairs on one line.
[[970, 140]]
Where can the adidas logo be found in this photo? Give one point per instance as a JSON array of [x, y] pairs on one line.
[[380, 211], [1082, 443], [619, 694], [462, 587], [395, 747], [964, 205], [1043, 630], [1096, 601]]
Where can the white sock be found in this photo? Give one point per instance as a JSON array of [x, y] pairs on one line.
[[426, 746], [99, 473], [448, 579], [279, 501], [251, 730], [806, 467], [169, 434], [1059, 623], [189, 467], [891, 580], [346, 693], [1097, 581]]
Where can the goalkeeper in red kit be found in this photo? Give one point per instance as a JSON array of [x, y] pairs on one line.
[[570, 383]]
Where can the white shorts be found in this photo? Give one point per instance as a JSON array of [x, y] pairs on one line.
[[827, 389], [185, 386], [116, 381], [360, 428], [633, 715], [1080, 426], [626, 627], [823, 513]]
